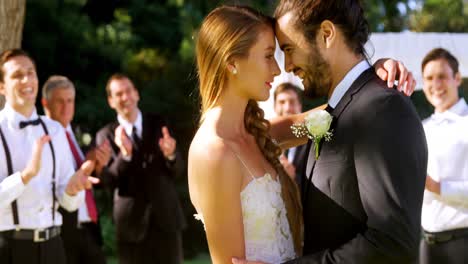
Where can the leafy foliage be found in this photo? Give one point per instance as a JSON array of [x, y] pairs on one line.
[[441, 16]]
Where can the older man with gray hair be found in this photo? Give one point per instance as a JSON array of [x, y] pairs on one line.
[[81, 232]]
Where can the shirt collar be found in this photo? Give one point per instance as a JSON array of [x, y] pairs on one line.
[[457, 110], [70, 130], [14, 118], [129, 126], [346, 83]]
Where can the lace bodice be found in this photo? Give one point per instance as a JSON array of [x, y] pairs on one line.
[[266, 228]]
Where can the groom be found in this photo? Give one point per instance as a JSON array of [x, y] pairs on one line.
[[365, 192]]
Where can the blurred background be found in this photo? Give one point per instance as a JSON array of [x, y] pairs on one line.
[[153, 42]]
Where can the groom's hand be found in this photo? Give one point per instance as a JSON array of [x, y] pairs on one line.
[[243, 261]]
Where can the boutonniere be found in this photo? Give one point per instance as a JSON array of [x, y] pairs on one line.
[[316, 126]]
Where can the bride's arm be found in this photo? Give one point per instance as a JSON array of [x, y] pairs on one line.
[[215, 182], [280, 129]]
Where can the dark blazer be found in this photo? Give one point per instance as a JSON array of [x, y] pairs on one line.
[[145, 193], [300, 162], [70, 231], [364, 203]]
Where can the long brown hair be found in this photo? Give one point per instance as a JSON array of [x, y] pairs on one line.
[[229, 32]]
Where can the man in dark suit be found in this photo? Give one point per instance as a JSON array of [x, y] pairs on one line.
[[147, 213], [81, 233], [287, 100], [364, 194]]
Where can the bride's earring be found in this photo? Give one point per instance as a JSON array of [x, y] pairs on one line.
[[232, 69]]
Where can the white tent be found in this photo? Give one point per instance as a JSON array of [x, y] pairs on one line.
[[411, 47]]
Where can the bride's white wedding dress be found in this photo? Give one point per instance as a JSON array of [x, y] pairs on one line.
[[266, 228]]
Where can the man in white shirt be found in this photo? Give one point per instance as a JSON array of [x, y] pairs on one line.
[[81, 233], [36, 170], [445, 209]]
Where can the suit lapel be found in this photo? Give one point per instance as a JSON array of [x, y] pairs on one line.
[[111, 137], [145, 133], [365, 77]]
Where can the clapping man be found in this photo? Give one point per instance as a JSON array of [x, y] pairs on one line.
[[144, 162], [81, 233], [36, 170]]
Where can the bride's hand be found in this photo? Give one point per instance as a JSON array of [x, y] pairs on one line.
[[389, 70], [243, 261]]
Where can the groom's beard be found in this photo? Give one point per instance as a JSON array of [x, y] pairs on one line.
[[317, 78]]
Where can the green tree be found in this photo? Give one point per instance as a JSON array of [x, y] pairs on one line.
[[11, 27], [440, 16], [386, 15]]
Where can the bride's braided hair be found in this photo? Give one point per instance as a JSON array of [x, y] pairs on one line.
[[229, 32], [259, 127]]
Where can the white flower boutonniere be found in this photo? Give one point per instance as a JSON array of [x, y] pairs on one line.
[[316, 126]]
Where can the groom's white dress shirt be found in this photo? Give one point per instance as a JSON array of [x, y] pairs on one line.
[[340, 90], [34, 200], [346, 82], [447, 140]]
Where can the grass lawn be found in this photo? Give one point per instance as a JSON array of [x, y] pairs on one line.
[[201, 259]]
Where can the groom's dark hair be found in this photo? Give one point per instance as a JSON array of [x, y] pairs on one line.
[[347, 15]]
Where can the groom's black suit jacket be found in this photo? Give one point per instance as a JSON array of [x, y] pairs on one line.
[[364, 203], [300, 162], [145, 197]]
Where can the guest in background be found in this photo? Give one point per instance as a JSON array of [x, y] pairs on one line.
[[445, 207], [288, 101], [144, 162], [81, 233], [36, 170]]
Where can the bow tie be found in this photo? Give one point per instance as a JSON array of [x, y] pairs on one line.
[[35, 122]]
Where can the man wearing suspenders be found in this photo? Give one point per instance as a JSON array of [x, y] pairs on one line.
[[36, 170]]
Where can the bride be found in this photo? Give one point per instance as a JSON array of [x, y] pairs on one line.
[[250, 207]]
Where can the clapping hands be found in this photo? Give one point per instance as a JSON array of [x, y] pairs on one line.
[[123, 141], [34, 164], [167, 144], [100, 155], [81, 179]]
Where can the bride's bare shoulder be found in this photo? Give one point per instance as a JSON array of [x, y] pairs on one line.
[[211, 157], [210, 150]]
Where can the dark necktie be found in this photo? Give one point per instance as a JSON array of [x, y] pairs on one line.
[[23, 124], [329, 109], [90, 203], [135, 138]]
